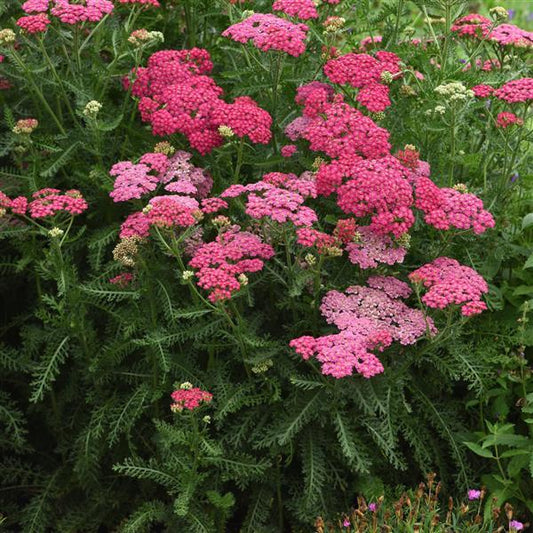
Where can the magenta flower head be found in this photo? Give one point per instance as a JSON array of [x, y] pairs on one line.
[[346, 523], [189, 397], [474, 494], [373, 507], [515, 525]]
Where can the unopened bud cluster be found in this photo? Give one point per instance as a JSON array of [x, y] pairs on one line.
[[92, 109], [25, 126]]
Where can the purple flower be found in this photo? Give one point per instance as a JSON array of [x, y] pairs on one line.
[[511, 13], [474, 494], [463, 61], [373, 507], [346, 523], [514, 177], [516, 525]]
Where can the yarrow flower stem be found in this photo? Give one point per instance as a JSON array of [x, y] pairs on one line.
[[219, 309], [40, 39], [277, 69], [37, 90], [93, 31], [238, 165]]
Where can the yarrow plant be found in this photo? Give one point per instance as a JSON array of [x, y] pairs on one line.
[[258, 265]]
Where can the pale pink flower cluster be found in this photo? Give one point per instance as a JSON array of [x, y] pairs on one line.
[[175, 172], [368, 318], [364, 72], [303, 9], [269, 32], [369, 42], [279, 204], [220, 263], [177, 95], [68, 11], [304, 184], [445, 208], [451, 283], [189, 399], [132, 181], [511, 35], [177, 175], [371, 249]]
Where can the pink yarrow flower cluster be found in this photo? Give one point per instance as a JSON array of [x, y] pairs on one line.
[[365, 72], [450, 283], [335, 128], [34, 23], [483, 91], [177, 96], [46, 203], [472, 25], [516, 91], [445, 208], [221, 264], [511, 35], [122, 280], [274, 201], [372, 249], [68, 11], [369, 182], [506, 119], [177, 175], [479, 27], [303, 9], [189, 399], [50, 202], [369, 318], [269, 32]]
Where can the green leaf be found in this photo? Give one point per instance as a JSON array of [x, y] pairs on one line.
[[479, 450], [529, 262], [527, 221], [60, 161], [504, 440], [47, 370]]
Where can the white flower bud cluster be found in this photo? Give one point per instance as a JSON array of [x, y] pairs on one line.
[[92, 109], [454, 91]]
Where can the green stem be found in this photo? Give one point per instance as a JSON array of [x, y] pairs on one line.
[[452, 148], [240, 151], [399, 10], [275, 94], [37, 90]]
